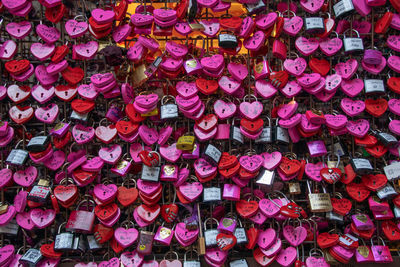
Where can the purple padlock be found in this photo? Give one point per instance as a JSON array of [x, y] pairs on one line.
[[372, 56], [227, 225], [231, 192], [193, 154], [362, 222], [316, 148]]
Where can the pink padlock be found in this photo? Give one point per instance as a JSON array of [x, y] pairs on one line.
[[362, 222], [316, 148], [164, 235], [227, 225], [377, 204], [231, 192], [60, 129], [261, 69], [122, 167], [372, 56], [279, 49], [381, 253], [169, 172], [364, 254]]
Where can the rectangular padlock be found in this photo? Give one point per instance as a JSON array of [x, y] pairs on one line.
[[314, 25], [265, 177], [31, 257], [353, 45], [77, 117], [10, 228], [374, 86], [265, 136], [17, 157], [238, 263], [40, 192], [64, 241], [212, 154], [211, 194], [241, 236], [227, 40], [255, 8], [281, 135], [343, 8], [332, 216], [38, 143], [392, 171], [169, 111], [210, 237], [387, 192], [92, 244], [236, 135], [361, 165], [151, 174]]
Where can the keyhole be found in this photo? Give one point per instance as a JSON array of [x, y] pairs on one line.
[[105, 212], [87, 51], [73, 29], [223, 110], [210, 28], [66, 93], [42, 94], [18, 30], [41, 219], [17, 95]]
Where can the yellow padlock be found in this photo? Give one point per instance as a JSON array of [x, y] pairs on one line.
[[186, 142]]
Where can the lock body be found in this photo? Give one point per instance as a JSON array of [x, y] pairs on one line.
[[314, 25]]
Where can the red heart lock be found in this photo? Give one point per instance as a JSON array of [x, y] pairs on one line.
[[20, 115], [331, 175], [394, 84], [73, 75], [83, 177], [246, 209], [252, 236], [127, 196], [341, 206], [227, 161], [55, 14], [329, 26], [60, 53], [181, 198], [377, 150], [66, 92], [374, 182], [349, 174], [169, 212], [106, 212], [103, 233], [207, 123], [366, 234], [230, 172], [358, 192], [291, 210], [245, 174], [376, 107], [61, 142], [126, 128], [82, 106], [367, 141], [326, 240], [289, 166], [116, 247], [206, 87], [391, 230], [132, 114], [321, 66], [226, 242], [17, 66], [153, 199], [279, 78], [66, 193], [261, 259], [252, 126], [231, 24], [149, 159], [47, 250], [120, 10], [181, 8], [148, 213]]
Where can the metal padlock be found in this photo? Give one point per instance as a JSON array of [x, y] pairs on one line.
[[236, 134], [396, 212], [338, 149], [386, 139], [387, 192], [227, 40], [64, 241], [332, 216], [211, 194], [210, 235], [281, 135], [266, 134], [145, 244], [392, 171], [40, 192], [265, 177], [240, 234], [294, 188], [212, 154], [186, 142], [10, 228], [78, 117], [92, 243], [31, 257], [361, 165], [352, 44], [314, 25], [151, 174], [168, 109], [17, 157], [319, 202], [374, 86], [38, 143], [191, 262], [238, 263], [255, 8], [343, 8]]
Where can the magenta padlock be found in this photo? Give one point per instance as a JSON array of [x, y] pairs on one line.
[[169, 173], [192, 66], [376, 2], [3, 128], [279, 49], [261, 69], [376, 204], [60, 129], [381, 253], [372, 56], [122, 167], [194, 154], [227, 225], [362, 222], [316, 148], [231, 192], [164, 235], [223, 132], [383, 215], [294, 134], [114, 114], [364, 254]]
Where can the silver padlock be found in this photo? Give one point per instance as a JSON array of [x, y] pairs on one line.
[[151, 174], [17, 157], [387, 192], [191, 262], [266, 134], [374, 86], [31, 257], [281, 134], [240, 234], [10, 228], [361, 165], [314, 25], [255, 8], [168, 109], [227, 40], [210, 235], [392, 171], [333, 216], [343, 8], [82, 118], [265, 177], [211, 194], [64, 241], [236, 134], [92, 243], [352, 44], [212, 154], [238, 263], [38, 143]]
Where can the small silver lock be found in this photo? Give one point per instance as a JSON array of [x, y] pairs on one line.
[[227, 40], [266, 177], [374, 86], [92, 243], [64, 241], [151, 174], [386, 192], [240, 234], [38, 143], [10, 228], [211, 194], [191, 262], [352, 44], [332, 216], [361, 165], [83, 118], [168, 109], [255, 8], [266, 134], [281, 134], [212, 154], [238, 263], [31, 257], [314, 25], [343, 8], [392, 171], [17, 156], [210, 235], [235, 133]]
